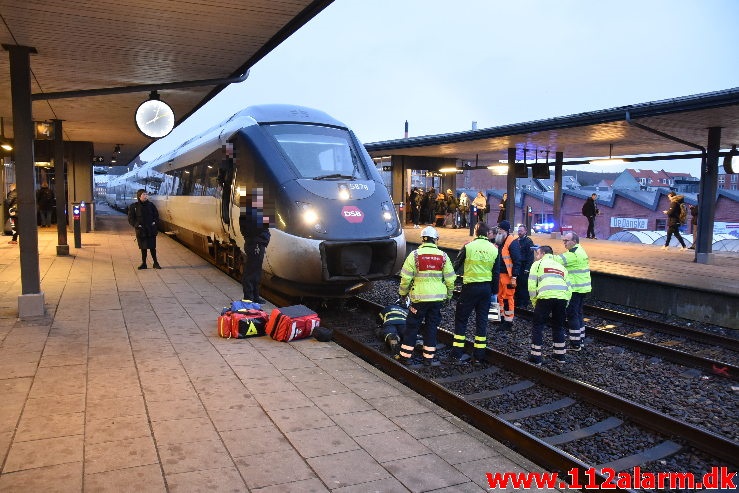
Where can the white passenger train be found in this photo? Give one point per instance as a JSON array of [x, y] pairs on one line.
[[333, 224]]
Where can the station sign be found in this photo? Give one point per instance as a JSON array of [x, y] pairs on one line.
[[387, 168], [629, 222]]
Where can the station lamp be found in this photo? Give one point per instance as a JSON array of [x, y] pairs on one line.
[[610, 159]]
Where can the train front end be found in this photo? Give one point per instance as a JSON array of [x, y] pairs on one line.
[[334, 225]]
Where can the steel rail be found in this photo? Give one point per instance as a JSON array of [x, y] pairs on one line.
[[719, 368], [711, 443], [531, 447], [687, 332]]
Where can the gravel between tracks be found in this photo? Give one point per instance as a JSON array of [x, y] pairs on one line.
[[687, 394]]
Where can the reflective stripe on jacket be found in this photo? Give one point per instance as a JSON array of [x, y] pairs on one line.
[[548, 279], [506, 258], [479, 260], [578, 265], [427, 275]]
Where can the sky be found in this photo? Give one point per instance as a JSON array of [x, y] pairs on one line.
[[441, 65]]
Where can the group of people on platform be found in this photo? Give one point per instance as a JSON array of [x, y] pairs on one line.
[[449, 210], [496, 267]]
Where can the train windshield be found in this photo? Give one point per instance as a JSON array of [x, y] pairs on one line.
[[320, 153]]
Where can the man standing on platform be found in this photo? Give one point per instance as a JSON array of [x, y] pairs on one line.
[[578, 265], [590, 210], [525, 247], [509, 269], [254, 225], [549, 291], [427, 277], [477, 261]]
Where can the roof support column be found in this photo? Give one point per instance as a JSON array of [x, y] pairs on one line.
[[707, 202], [557, 202], [60, 190], [31, 301], [510, 213]]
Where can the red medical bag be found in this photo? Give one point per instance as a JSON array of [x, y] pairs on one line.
[[292, 322]]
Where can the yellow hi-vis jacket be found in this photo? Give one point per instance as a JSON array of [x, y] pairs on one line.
[[427, 275], [548, 279], [479, 260], [578, 265]]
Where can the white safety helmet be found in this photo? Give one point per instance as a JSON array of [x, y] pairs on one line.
[[430, 232]]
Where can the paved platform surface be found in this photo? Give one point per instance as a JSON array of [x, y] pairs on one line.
[[634, 260], [125, 386]]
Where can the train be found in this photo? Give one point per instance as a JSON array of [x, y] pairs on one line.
[[334, 227]]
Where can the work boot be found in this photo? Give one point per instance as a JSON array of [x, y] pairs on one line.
[[142, 266], [403, 360], [431, 362], [156, 265]]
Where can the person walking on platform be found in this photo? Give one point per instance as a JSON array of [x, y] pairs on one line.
[[694, 222], [464, 209], [577, 263], [254, 226], [673, 220], [510, 259], [11, 200], [590, 211], [427, 277], [503, 207], [144, 217], [477, 262], [481, 205], [526, 249], [549, 291], [415, 203], [46, 201], [451, 209]]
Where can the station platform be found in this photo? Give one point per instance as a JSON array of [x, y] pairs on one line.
[[644, 276], [124, 385]]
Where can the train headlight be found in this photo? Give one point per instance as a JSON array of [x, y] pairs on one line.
[[344, 192], [388, 215], [310, 216]]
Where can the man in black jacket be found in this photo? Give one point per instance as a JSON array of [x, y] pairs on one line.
[[144, 217], [254, 227], [590, 210], [525, 248]]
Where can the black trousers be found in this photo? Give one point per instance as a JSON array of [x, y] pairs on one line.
[[252, 274], [591, 227]]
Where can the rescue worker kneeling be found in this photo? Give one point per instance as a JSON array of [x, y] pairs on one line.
[[392, 325], [427, 277], [478, 261], [550, 291]]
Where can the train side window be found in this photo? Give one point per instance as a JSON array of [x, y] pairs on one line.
[[177, 182], [212, 185], [196, 175], [187, 181]]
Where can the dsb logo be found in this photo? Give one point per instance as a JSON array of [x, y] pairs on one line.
[[352, 214]]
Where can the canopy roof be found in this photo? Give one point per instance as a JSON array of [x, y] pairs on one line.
[[85, 45], [593, 134]]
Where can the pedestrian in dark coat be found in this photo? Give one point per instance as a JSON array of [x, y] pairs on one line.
[[144, 217], [673, 220], [503, 207], [525, 248], [46, 201], [590, 210], [254, 226]]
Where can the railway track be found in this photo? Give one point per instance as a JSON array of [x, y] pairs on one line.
[[681, 351], [559, 422]]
